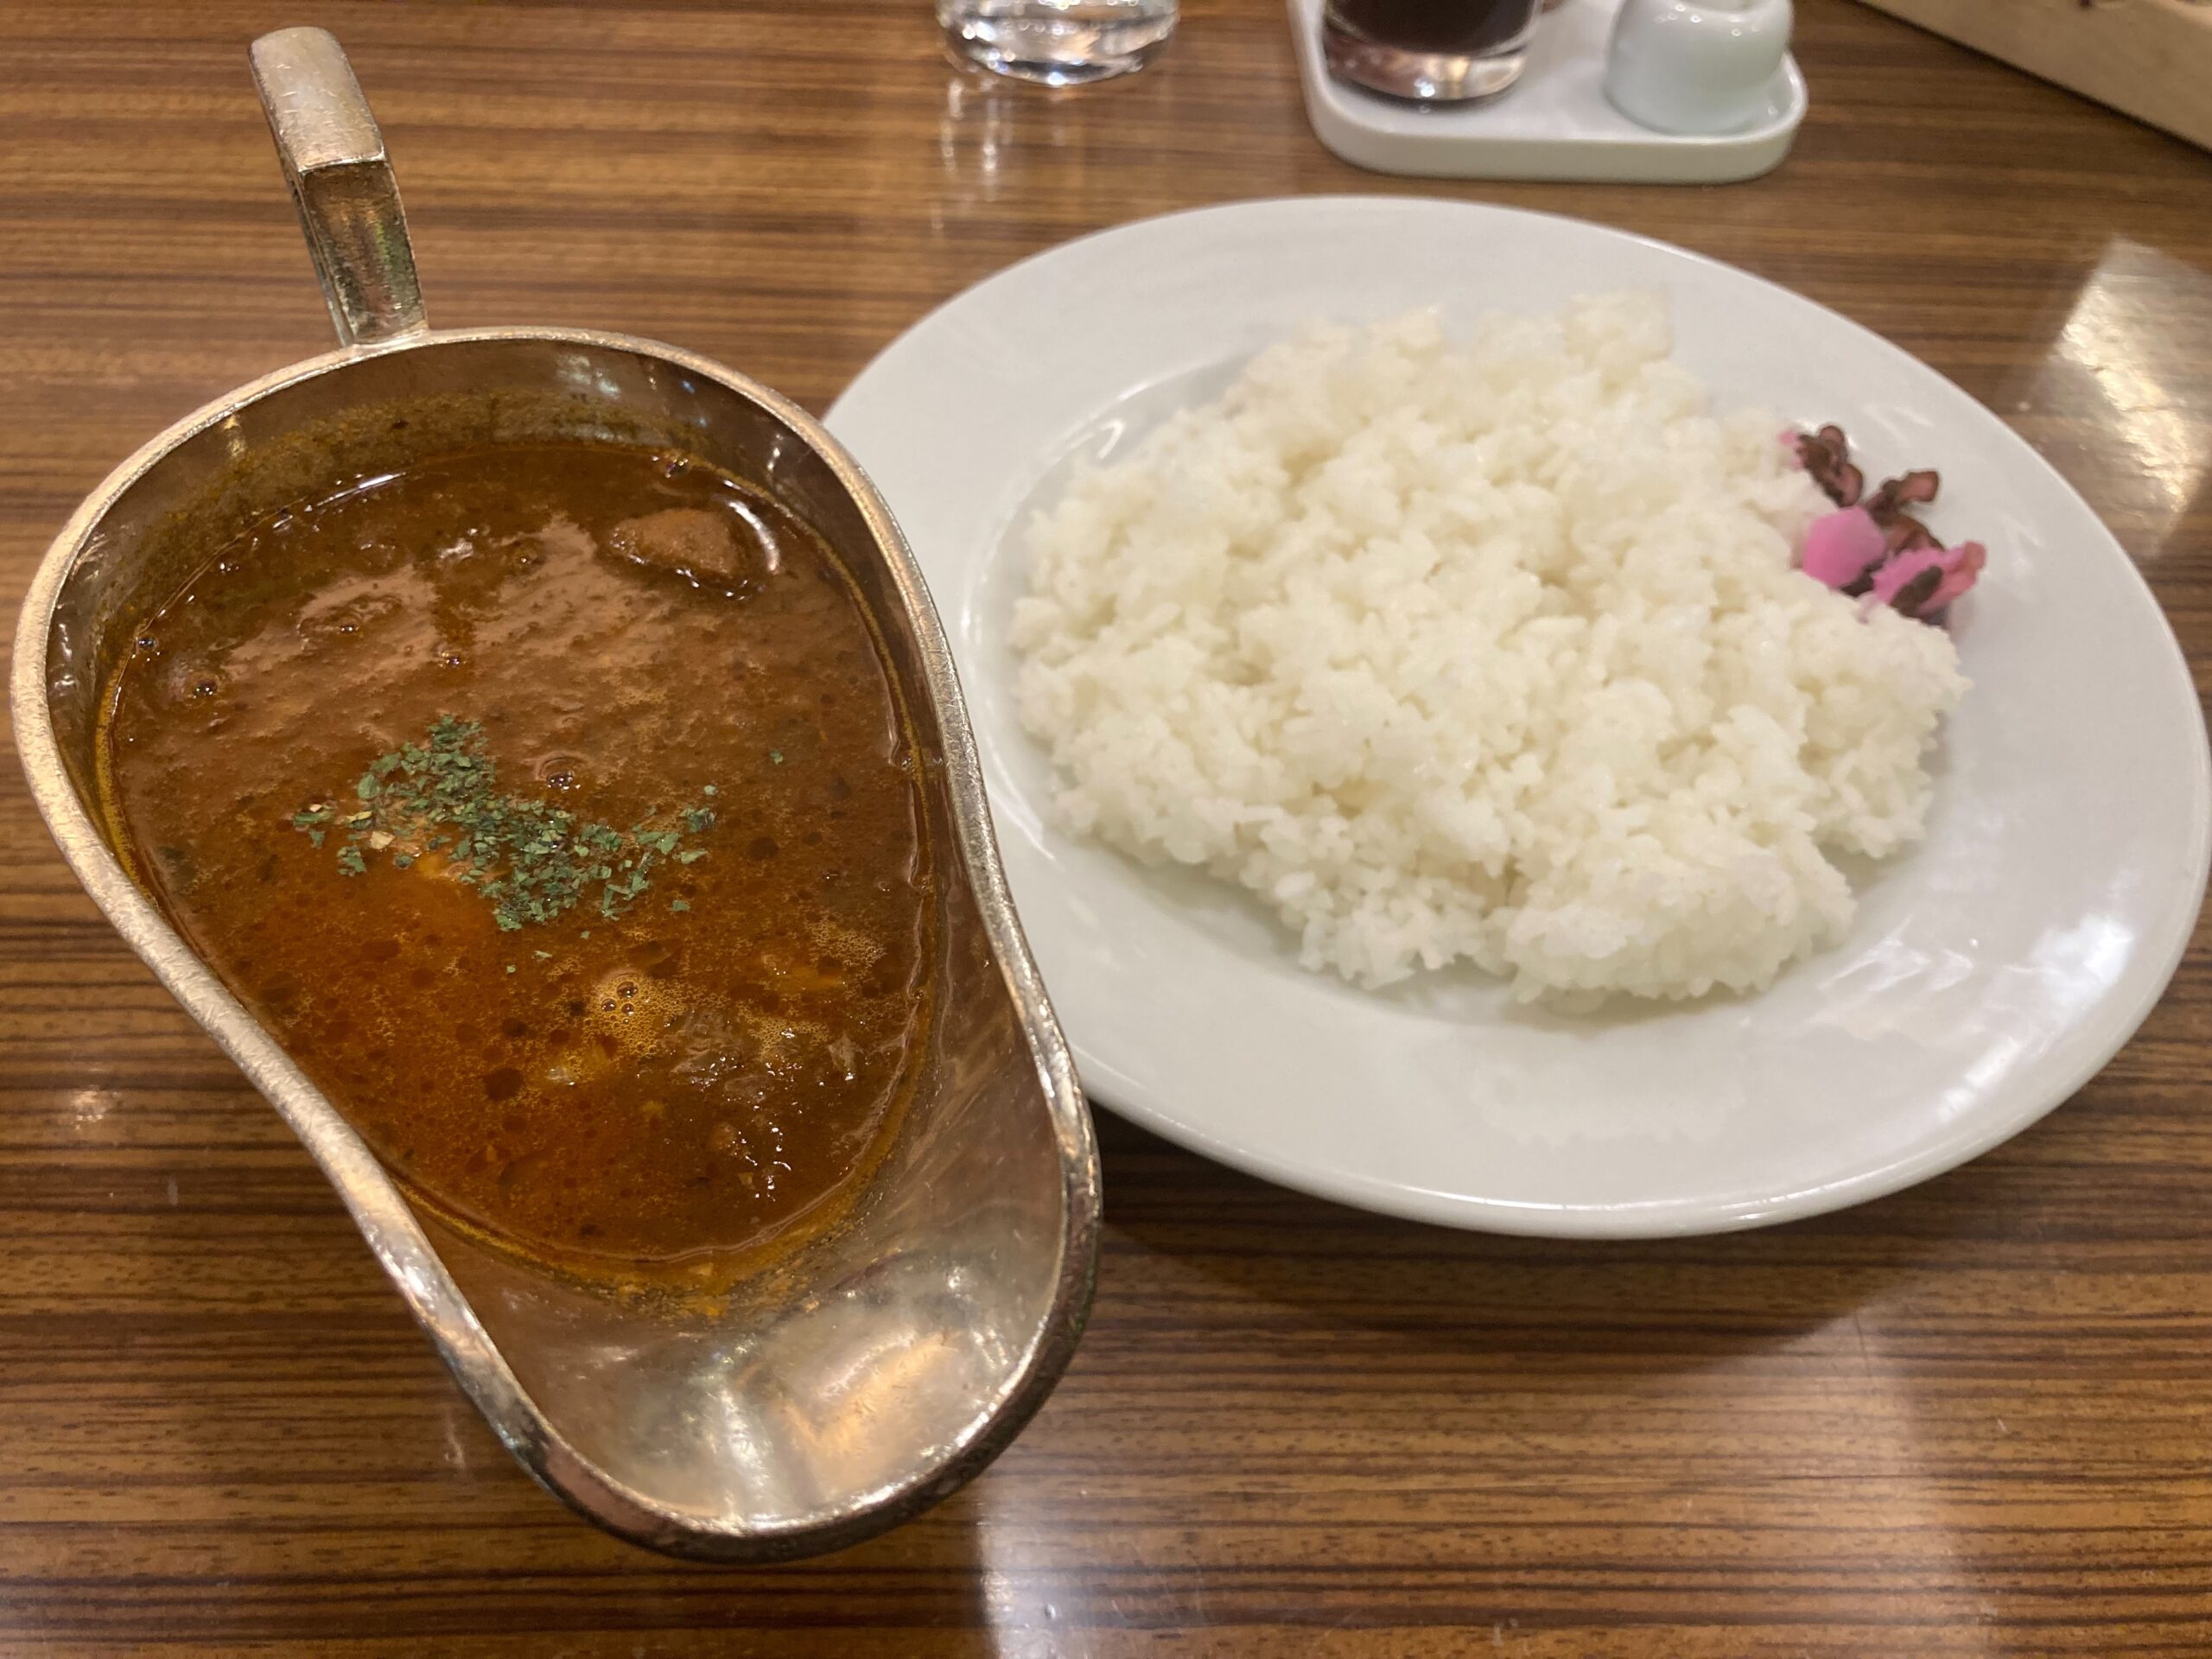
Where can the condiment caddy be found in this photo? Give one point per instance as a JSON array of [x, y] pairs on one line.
[[1677, 66]]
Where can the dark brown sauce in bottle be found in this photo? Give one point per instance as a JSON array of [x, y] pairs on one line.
[[1455, 27]]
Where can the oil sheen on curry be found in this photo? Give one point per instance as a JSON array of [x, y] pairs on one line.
[[553, 807]]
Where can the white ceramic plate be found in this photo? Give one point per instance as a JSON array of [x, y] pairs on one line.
[[1992, 971]]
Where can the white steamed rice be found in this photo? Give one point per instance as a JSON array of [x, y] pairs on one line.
[[1492, 650]]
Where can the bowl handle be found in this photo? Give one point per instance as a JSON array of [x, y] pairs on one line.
[[342, 183]]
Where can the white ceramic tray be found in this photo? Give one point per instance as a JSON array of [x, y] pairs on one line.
[[1556, 123]]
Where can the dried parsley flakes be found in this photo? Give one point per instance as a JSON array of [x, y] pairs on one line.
[[530, 860]]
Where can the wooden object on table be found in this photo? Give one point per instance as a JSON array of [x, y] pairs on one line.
[[2150, 58], [1970, 1419]]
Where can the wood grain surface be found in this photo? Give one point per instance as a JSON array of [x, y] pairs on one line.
[[2149, 58], [1974, 1418]]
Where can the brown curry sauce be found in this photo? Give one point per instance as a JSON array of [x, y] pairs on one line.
[[637, 1079]]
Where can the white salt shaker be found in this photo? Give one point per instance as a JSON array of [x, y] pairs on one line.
[[1695, 66]]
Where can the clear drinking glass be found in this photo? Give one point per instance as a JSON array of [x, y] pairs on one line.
[[1058, 42], [1430, 51]]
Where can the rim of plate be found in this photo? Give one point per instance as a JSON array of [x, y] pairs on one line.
[[2114, 1021]]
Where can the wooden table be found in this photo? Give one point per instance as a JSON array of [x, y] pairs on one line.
[[1972, 1419]]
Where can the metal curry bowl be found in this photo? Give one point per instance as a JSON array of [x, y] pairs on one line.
[[855, 1378]]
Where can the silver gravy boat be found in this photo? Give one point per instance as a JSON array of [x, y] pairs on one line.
[[867, 1373]]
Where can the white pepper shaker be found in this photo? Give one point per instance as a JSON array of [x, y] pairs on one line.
[[1695, 66]]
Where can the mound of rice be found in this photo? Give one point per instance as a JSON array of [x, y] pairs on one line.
[[1492, 650]]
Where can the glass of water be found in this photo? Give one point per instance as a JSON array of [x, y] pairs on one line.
[[1058, 42]]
